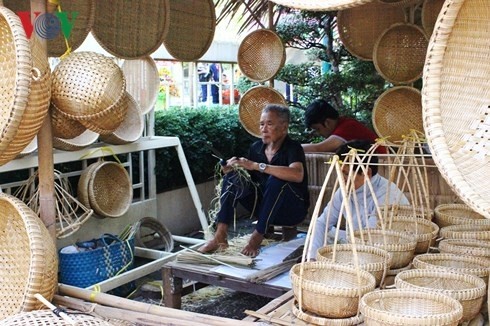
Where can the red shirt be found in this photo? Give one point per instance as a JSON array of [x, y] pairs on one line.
[[350, 129]]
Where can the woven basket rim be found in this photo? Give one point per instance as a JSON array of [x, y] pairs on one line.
[[160, 228], [410, 240], [424, 236], [321, 5], [86, 138], [468, 215], [318, 320], [425, 261], [470, 247], [466, 231], [361, 249]]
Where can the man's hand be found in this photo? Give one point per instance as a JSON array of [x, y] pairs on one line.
[[239, 161]]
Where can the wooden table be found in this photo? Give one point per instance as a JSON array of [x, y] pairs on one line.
[[174, 273]]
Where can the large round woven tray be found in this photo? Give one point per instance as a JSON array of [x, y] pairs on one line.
[[466, 231], [454, 79], [465, 247], [252, 103], [409, 307], [371, 259], [29, 259], [321, 5], [46, 27], [48, 318], [314, 319], [360, 27], [142, 81], [86, 138], [424, 230], [261, 55], [191, 29], [329, 290], [398, 111], [450, 214], [469, 290], [430, 11], [131, 29], [399, 53], [16, 68]]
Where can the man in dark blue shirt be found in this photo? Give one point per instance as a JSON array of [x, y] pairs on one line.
[[278, 192]]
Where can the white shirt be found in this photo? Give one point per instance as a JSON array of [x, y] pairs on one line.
[[365, 213]]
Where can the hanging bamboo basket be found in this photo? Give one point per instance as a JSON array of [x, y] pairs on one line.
[[430, 11]]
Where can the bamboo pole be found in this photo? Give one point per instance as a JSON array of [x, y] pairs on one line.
[[45, 150]]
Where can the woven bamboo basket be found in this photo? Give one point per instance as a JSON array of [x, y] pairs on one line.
[[360, 27], [29, 259], [400, 245], [37, 103], [16, 68], [314, 319], [477, 266], [451, 214], [424, 230], [371, 259], [330, 290], [430, 11], [48, 318], [466, 231], [154, 235], [130, 129], [191, 29], [261, 55], [396, 112], [406, 210], [110, 190], [131, 29], [30, 148], [399, 53], [64, 127], [251, 105], [321, 5], [454, 79], [142, 81], [90, 88], [83, 184], [466, 247], [469, 290], [410, 307], [86, 139], [401, 3]]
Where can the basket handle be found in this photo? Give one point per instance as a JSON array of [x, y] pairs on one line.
[[36, 73]]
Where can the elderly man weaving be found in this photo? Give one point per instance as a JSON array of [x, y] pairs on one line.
[[386, 193], [277, 191]]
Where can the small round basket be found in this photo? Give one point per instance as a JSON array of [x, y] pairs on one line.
[[83, 181], [360, 27], [466, 231], [396, 112], [469, 290], [424, 230], [48, 318], [154, 235], [110, 190], [329, 290], [86, 139], [321, 5], [261, 55], [451, 214], [29, 259], [371, 259], [191, 29], [400, 245], [465, 247], [406, 210], [430, 11], [399, 53], [410, 307], [252, 103], [456, 263], [312, 318]]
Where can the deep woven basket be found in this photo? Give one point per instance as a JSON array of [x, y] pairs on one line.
[[142, 81], [400, 245], [455, 263], [469, 290], [329, 290], [131, 29], [261, 55], [450, 214], [48, 318], [83, 183], [465, 247], [312, 318], [399, 53], [406, 210], [253, 102], [360, 27], [64, 127], [466, 231], [110, 257], [430, 11], [396, 112], [86, 139], [321, 5], [191, 29], [130, 129], [371, 259], [454, 79], [410, 307], [154, 235], [29, 260], [16, 68]]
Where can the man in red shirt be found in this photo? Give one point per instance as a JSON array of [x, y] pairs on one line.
[[325, 120]]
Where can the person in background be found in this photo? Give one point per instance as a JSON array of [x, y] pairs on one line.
[[204, 75], [386, 193], [325, 120], [214, 71], [278, 189]]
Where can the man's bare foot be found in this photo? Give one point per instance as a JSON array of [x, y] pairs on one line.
[[213, 246], [253, 246]]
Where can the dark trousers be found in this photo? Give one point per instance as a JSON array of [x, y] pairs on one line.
[[277, 203]]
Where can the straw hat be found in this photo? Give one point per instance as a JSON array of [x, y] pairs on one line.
[[191, 29], [456, 79], [321, 5]]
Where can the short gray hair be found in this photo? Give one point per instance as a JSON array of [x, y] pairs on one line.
[[282, 111]]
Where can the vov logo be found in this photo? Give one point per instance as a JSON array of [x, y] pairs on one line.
[[47, 25]]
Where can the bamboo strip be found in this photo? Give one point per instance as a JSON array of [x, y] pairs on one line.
[[267, 318]]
